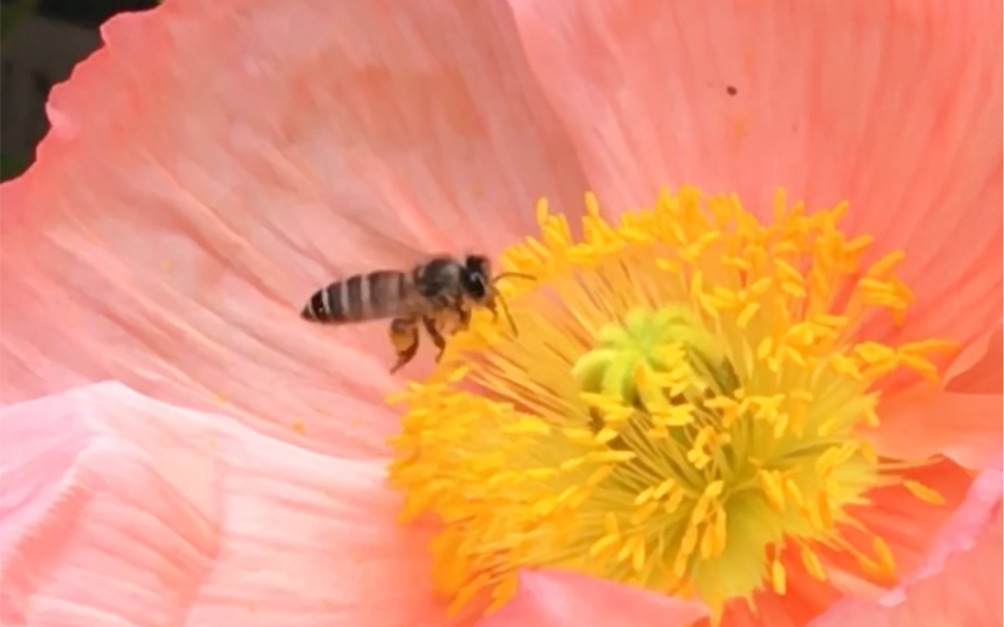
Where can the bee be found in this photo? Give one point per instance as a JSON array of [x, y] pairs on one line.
[[429, 295]]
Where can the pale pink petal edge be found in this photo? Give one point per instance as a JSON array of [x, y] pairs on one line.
[[118, 509], [960, 579]]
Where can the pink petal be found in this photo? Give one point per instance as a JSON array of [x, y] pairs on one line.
[[120, 510], [960, 583], [980, 370], [894, 106], [907, 523], [242, 155], [804, 599], [963, 421], [556, 598]]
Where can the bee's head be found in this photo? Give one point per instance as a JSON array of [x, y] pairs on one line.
[[478, 282], [476, 277]]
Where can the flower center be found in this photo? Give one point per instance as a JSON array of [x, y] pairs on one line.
[[683, 402]]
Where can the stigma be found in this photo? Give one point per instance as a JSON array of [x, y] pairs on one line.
[[687, 401]]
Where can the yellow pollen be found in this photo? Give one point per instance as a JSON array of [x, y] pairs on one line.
[[687, 396]]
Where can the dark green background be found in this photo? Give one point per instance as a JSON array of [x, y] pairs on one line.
[[87, 13]]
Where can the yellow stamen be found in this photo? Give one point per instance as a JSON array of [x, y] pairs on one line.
[[685, 397], [812, 564], [924, 492], [886, 560], [778, 577]]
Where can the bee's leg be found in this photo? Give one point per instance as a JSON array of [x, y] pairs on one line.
[[437, 337], [463, 318], [404, 337], [492, 305], [463, 315]]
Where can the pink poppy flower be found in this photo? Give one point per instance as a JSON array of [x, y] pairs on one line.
[[746, 413]]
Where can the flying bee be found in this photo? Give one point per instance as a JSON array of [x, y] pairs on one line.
[[428, 294]]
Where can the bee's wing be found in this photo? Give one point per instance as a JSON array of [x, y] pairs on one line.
[[365, 239], [401, 251]]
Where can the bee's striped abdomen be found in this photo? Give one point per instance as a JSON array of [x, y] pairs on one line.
[[388, 295], [362, 297], [325, 305]]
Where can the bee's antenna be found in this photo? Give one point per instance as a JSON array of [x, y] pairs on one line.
[[505, 307], [508, 316], [515, 275]]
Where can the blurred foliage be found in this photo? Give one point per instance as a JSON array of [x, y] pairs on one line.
[[11, 167], [12, 12], [86, 13], [90, 13]]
